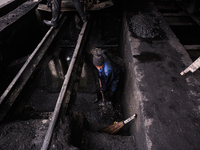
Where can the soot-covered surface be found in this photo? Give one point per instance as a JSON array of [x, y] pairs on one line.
[[107, 142], [14, 135], [166, 102]]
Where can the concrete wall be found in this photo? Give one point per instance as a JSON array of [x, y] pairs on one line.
[[131, 96], [166, 103]]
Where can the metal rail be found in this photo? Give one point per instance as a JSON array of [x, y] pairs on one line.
[[63, 90], [14, 88], [24, 67]]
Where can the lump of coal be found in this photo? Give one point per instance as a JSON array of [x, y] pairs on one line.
[[145, 26]]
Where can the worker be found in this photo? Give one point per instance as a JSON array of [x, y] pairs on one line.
[[56, 12], [109, 75]]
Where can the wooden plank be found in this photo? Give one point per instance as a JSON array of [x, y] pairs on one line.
[[174, 15], [180, 21], [194, 53], [192, 47], [45, 8], [94, 7], [63, 88], [7, 99]]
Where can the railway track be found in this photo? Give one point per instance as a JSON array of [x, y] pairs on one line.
[[64, 86], [37, 58], [50, 84], [11, 93]]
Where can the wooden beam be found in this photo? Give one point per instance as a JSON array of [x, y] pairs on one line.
[[174, 15], [192, 47], [94, 7], [45, 8]]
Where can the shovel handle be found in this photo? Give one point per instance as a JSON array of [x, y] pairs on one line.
[[103, 98], [129, 119], [100, 83]]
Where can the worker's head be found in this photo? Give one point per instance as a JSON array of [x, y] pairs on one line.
[[98, 61]]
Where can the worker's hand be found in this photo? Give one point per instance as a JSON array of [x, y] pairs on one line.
[[101, 89]]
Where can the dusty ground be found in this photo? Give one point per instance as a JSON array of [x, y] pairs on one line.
[[166, 102], [23, 134]]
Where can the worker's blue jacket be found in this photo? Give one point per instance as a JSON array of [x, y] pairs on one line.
[[109, 74]]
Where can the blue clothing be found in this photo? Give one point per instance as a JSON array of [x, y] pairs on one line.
[[109, 75]]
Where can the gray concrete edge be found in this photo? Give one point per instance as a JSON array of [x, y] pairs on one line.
[[132, 96]]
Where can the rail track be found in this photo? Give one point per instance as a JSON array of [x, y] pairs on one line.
[[28, 70], [58, 73], [64, 86], [15, 87]]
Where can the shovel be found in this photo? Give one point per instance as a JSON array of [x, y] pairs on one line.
[[103, 97]]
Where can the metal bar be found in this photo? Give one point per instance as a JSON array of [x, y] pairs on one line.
[[20, 83], [62, 92], [24, 67], [93, 7], [104, 46], [21, 71]]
